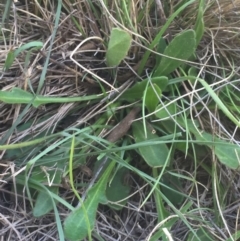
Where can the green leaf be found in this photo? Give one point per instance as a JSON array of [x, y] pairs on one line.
[[78, 223], [154, 155], [162, 31], [137, 90], [181, 48], [193, 71], [174, 184], [118, 46], [16, 96], [117, 190], [235, 236], [227, 153], [43, 204], [160, 49], [165, 112], [19, 96], [152, 98]]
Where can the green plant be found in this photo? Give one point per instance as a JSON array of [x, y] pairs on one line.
[[169, 144]]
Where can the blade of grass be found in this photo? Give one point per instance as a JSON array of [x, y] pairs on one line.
[[5, 16], [12, 128], [75, 191], [219, 103], [45, 67]]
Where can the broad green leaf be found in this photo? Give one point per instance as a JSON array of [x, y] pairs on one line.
[[19, 96], [137, 90], [154, 155], [180, 48], [117, 190], [78, 223], [174, 184], [118, 46], [43, 204], [227, 153], [165, 112], [152, 97], [160, 49], [16, 96]]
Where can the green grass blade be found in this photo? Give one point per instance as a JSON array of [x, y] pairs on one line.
[[45, 67]]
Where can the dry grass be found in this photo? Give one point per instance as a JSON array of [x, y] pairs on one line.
[[30, 21]]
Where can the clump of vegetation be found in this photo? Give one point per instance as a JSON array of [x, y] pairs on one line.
[[120, 120]]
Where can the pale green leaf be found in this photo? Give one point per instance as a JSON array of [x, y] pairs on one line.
[[77, 224], [82, 219], [152, 97], [118, 46], [227, 153], [43, 204], [16, 96], [13, 54], [137, 90], [154, 155], [117, 190], [173, 188], [180, 48], [162, 44]]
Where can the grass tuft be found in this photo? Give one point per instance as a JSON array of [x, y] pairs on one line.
[[120, 118]]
